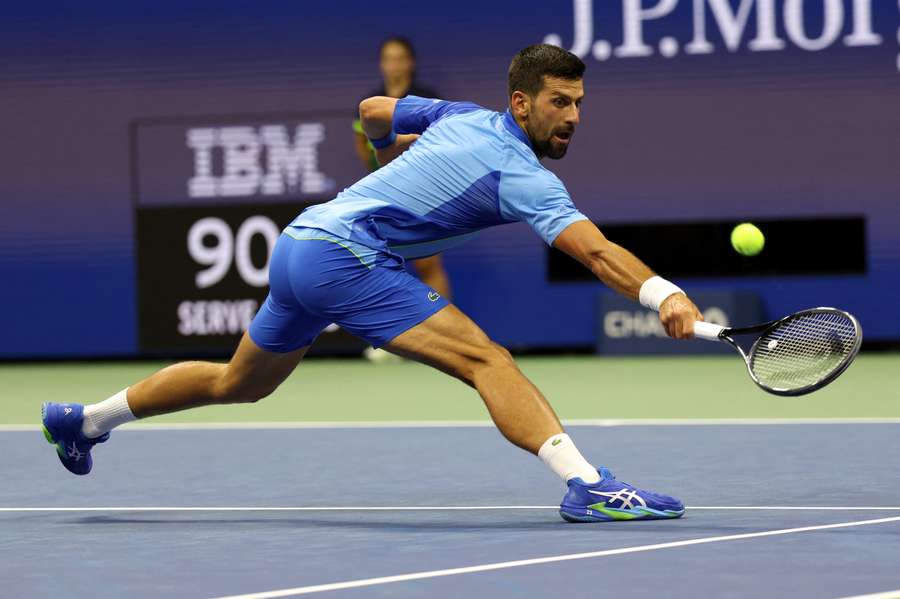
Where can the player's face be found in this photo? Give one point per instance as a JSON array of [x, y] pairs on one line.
[[554, 113], [396, 63]]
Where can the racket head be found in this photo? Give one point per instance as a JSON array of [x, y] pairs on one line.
[[805, 351]]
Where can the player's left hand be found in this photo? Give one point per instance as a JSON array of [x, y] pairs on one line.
[[678, 314], [399, 146]]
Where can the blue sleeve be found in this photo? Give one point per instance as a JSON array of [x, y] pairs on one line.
[[414, 114], [540, 199]]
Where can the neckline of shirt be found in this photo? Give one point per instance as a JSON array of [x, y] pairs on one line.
[[513, 127]]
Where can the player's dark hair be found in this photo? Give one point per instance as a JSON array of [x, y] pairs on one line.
[[529, 67], [398, 39]]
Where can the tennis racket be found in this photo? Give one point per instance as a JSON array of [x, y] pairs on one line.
[[797, 354]]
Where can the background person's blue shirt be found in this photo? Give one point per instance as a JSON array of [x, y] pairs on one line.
[[472, 168]]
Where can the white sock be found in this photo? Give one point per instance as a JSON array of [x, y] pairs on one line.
[[561, 455], [102, 417]]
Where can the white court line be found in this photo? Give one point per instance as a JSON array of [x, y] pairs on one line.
[[885, 595], [174, 426], [832, 508], [424, 508], [365, 582], [385, 508]]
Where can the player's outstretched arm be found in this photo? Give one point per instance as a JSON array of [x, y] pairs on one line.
[[621, 270], [376, 114]]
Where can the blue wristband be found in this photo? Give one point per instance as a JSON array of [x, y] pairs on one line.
[[383, 142]]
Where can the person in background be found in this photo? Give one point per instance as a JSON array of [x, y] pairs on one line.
[[397, 60]]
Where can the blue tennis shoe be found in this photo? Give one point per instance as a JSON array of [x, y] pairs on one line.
[[611, 499], [62, 427]]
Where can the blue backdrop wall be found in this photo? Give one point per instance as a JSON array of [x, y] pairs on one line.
[[695, 110]]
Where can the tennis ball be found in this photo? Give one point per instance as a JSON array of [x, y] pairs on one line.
[[747, 239]]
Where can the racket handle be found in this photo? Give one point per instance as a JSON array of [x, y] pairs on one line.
[[707, 330]]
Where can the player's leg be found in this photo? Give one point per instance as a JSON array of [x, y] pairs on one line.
[[451, 342], [279, 337], [387, 306], [250, 375]]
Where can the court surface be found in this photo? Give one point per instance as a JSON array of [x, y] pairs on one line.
[[805, 504]]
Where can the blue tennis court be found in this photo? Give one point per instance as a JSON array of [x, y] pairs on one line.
[[776, 510]]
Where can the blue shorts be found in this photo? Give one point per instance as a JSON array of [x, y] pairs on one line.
[[316, 280]]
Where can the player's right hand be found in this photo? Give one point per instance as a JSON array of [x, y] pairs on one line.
[[678, 314]]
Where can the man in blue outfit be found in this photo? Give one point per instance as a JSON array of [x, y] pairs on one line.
[[451, 169]]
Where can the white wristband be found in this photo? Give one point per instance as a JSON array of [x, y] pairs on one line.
[[655, 290]]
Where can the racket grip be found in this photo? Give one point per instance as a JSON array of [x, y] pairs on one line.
[[707, 330]]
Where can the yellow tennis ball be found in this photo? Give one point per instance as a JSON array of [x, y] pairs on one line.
[[747, 239]]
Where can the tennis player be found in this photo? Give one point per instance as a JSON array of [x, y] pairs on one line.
[[452, 169]]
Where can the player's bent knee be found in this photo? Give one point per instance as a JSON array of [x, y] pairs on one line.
[[504, 358], [487, 360], [497, 356]]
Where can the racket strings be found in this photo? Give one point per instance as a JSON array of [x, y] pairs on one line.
[[803, 351]]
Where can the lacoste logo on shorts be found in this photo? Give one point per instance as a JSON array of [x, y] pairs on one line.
[[434, 296]]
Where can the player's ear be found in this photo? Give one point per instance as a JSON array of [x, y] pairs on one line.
[[520, 104]]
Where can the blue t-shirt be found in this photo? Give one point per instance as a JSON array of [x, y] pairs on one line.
[[472, 168]]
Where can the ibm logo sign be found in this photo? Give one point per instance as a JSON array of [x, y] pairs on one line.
[[257, 160]]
